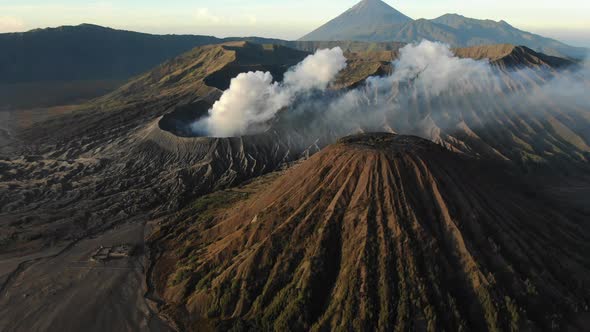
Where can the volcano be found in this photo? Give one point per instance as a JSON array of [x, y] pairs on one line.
[[377, 232], [376, 21], [374, 231], [360, 22]]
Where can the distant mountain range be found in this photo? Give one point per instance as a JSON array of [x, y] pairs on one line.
[[90, 52], [376, 21], [70, 64]]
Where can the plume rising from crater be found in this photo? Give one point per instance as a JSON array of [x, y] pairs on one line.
[[253, 98], [460, 98], [430, 83]]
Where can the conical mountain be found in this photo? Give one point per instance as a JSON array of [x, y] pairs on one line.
[[360, 22], [379, 232], [376, 21]]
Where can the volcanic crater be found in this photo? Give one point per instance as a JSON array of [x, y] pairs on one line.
[[376, 232]]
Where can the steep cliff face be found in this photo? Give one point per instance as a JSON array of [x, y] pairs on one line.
[[378, 232]]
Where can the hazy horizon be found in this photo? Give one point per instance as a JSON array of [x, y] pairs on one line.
[[566, 21]]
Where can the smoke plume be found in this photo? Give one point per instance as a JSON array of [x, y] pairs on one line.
[[253, 98], [433, 68], [431, 92]]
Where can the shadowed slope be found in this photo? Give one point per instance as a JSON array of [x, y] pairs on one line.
[[191, 80], [380, 232], [112, 150], [92, 52]]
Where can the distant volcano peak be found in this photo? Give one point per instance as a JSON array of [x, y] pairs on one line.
[[377, 8], [367, 15], [377, 21], [371, 3]]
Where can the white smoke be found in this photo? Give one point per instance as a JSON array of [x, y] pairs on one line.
[[316, 71], [434, 68], [432, 90], [253, 98], [571, 90], [429, 90], [422, 73]]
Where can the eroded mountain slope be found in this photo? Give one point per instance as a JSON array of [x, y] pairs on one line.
[[95, 177], [115, 147], [378, 232], [68, 184]]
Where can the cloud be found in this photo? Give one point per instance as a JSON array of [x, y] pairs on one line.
[[11, 24], [252, 20], [203, 15]]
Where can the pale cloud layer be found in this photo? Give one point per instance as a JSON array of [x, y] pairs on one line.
[[11, 24], [289, 19]]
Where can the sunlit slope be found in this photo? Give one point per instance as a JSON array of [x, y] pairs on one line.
[[377, 232], [129, 142]]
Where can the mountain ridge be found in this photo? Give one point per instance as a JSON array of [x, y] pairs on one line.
[[374, 232], [453, 29], [85, 52]]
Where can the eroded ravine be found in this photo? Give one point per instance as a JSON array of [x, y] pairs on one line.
[[394, 229]]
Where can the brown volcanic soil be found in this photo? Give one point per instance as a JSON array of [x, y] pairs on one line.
[[379, 232], [69, 184], [72, 183]]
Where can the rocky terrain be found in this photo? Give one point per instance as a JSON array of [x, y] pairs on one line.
[[106, 173], [378, 232], [99, 176]]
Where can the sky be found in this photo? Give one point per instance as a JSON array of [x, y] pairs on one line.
[[566, 20]]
